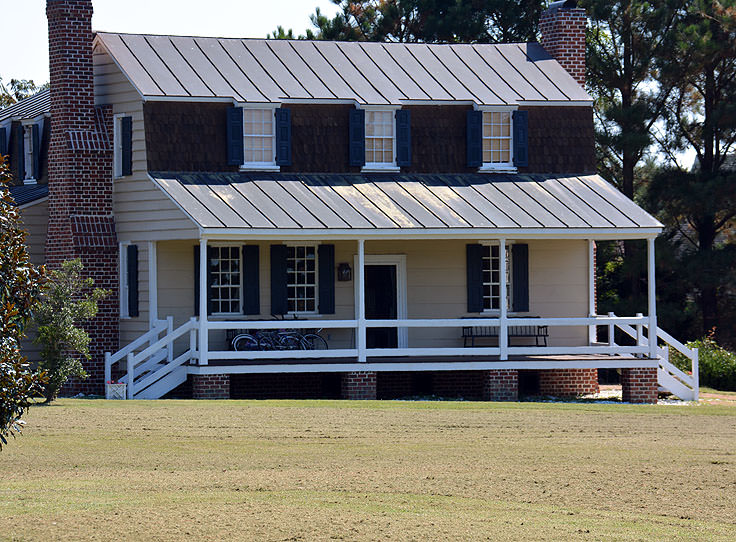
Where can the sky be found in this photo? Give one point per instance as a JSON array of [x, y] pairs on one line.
[[24, 36]]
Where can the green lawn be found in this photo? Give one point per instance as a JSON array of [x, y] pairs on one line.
[[324, 470]]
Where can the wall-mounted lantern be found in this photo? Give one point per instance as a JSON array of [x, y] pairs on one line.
[[344, 273]]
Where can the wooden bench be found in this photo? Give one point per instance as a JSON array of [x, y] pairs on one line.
[[470, 333]]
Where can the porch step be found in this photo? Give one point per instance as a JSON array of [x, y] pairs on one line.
[[163, 386], [669, 382]]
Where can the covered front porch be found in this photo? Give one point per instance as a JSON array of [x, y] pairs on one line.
[[390, 273], [561, 306]]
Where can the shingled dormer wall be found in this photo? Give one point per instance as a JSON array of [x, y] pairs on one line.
[[81, 223]]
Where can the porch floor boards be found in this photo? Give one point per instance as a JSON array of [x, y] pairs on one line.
[[459, 360]]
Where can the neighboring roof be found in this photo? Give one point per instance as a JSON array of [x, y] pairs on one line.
[[29, 108], [27, 194], [259, 70], [473, 202]]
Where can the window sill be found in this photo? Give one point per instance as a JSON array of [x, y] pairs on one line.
[[260, 167], [29, 182], [497, 169], [378, 168]]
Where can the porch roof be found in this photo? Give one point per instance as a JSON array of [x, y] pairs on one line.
[[369, 203]]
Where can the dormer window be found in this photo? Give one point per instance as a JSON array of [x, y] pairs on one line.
[[28, 150], [258, 137], [497, 139], [379, 139]]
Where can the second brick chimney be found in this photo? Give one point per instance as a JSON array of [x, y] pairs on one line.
[[562, 26], [81, 223]]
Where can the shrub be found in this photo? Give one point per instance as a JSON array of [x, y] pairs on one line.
[[67, 303], [20, 284], [717, 365]]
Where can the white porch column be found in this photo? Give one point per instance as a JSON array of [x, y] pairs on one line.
[[503, 336], [591, 290], [152, 284], [652, 299], [360, 316], [203, 333]]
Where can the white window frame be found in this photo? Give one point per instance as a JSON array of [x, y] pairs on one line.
[[117, 144], [239, 247], [28, 152], [381, 166], [499, 167], [124, 286], [509, 279], [261, 166], [315, 245]]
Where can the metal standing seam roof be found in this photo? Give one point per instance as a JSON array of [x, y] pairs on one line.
[[222, 201], [270, 71], [26, 194], [29, 108]]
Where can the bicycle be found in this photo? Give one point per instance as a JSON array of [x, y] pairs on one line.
[[270, 340]]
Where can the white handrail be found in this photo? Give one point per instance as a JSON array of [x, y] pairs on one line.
[[147, 336], [693, 379], [472, 322], [165, 341]]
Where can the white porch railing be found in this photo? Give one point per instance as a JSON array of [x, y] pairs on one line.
[[503, 350], [152, 370], [671, 378]]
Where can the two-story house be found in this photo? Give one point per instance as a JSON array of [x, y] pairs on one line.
[[367, 220]]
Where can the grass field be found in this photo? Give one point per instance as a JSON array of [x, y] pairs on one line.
[[322, 470]]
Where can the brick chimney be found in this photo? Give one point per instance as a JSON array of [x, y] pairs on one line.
[[562, 26], [81, 223]]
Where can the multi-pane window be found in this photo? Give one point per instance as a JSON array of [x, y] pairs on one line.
[[492, 278], [28, 153], [379, 137], [302, 278], [258, 136], [225, 277], [496, 137]]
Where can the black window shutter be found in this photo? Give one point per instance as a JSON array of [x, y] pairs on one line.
[[196, 280], [283, 137], [126, 144], [36, 148], [20, 157], [521, 138], [475, 138], [357, 137], [326, 257], [235, 151], [279, 277], [133, 280], [520, 277], [475, 277], [403, 138], [3, 142], [251, 286]]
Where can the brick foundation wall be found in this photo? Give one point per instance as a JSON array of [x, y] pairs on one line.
[[501, 385], [563, 36], [80, 169], [359, 385], [639, 385], [210, 386], [568, 382]]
